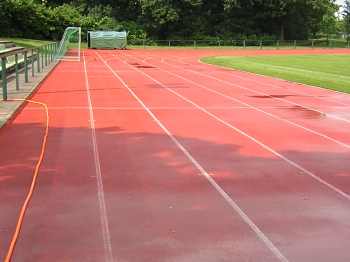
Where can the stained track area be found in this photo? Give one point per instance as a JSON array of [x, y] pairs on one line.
[[154, 156]]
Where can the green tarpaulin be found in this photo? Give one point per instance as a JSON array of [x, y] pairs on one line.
[[107, 39]]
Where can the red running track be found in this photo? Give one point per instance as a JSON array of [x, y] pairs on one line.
[[154, 156]]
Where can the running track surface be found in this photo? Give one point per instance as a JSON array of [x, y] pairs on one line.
[[154, 156]]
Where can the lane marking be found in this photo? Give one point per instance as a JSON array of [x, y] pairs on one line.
[[172, 57], [101, 197], [166, 108], [276, 86], [253, 139], [199, 167], [255, 91], [255, 108]]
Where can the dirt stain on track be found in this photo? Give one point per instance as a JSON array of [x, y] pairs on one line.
[[277, 96], [306, 113], [141, 66]]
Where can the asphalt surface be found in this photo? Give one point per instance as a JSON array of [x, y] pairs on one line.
[[9, 107]]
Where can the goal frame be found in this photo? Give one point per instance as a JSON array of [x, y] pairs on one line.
[[63, 48]]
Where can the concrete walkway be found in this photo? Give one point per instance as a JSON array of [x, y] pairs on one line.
[[8, 108]]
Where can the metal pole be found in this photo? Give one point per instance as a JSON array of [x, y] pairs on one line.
[[194, 44], [16, 69], [295, 44], [25, 68], [278, 44], [4, 84], [50, 53], [32, 63], [244, 44], [38, 58], [169, 44], [312, 44], [45, 55], [42, 59], [260, 44]]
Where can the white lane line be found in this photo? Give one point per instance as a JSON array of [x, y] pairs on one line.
[[164, 108], [212, 181], [252, 107], [101, 197], [253, 139], [269, 85], [276, 86], [311, 72]]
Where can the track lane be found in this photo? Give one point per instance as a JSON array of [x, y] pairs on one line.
[[292, 147], [299, 185], [62, 213], [155, 198], [259, 90], [302, 89], [295, 112], [260, 82], [140, 155], [290, 150]]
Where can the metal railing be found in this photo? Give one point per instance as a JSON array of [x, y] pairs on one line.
[[237, 44], [34, 58]]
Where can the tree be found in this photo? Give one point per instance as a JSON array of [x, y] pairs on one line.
[[25, 19], [275, 14], [346, 18], [329, 21], [316, 10], [163, 18]]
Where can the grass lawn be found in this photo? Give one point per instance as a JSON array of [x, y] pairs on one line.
[[327, 71], [27, 43]]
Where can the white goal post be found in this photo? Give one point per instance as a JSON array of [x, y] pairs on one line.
[[69, 48]]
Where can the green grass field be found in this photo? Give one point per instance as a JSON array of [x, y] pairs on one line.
[[27, 43], [327, 71]]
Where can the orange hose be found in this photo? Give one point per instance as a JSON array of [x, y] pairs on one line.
[[24, 208]]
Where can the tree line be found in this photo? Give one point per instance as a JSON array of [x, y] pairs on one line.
[[173, 19]]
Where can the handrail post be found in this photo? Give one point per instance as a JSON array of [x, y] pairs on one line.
[[16, 70], [45, 55], [38, 58], [42, 59], [32, 62], [51, 48], [4, 84], [25, 68]]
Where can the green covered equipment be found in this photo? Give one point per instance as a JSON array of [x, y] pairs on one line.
[[107, 39]]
